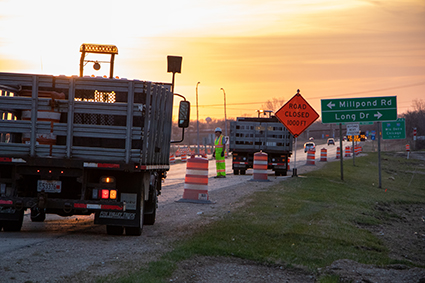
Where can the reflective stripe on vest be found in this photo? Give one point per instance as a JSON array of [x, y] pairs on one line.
[[219, 142]]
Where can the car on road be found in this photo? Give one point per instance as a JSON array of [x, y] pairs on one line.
[[309, 146], [330, 141]]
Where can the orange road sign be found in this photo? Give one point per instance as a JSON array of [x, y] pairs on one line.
[[297, 115]]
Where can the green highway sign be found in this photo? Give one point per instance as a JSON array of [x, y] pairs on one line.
[[394, 130], [364, 109]]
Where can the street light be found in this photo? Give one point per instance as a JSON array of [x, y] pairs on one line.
[[225, 116], [197, 117]]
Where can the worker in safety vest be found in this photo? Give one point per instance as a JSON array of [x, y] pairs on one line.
[[218, 154]]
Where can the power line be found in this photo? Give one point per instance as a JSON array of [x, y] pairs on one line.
[[322, 97]]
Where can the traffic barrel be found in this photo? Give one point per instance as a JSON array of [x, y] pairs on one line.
[[196, 181], [338, 152], [172, 159], [288, 168], [311, 157], [347, 151], [260, 167], [183, 156], [407, 147], [323, 154], [357, 149]]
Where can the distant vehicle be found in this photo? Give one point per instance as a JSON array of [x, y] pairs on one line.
[[311, 139], [331, 141], [249, 135], [309, 146]]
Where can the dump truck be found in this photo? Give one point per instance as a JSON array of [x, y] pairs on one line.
[[249, 135], [84, 145]]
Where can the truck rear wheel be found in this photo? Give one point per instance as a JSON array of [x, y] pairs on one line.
[[243, 172], [150, 207], [38, 215], [235, 172], [114, 230]]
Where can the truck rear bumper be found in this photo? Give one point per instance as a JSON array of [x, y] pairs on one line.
[[69, 207]]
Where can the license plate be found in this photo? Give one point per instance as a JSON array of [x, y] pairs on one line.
[[49, 186]]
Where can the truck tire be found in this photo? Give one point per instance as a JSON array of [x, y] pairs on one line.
[[38, 215], [235, 172], [114, 230], [243, 172], [150, 207], [14, 226], [152, 203], [149, 219], [137, 231]]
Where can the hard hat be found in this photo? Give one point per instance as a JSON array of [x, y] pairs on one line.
[[218, 130]]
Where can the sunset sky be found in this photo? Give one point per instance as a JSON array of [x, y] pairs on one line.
[[256, 50]]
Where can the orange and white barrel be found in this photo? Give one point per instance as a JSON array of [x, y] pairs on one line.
[[46, 116], [323, 154], [288, 168], [260, 167], [338, 152], [347, 151], [172, 159], [407, 147], [183, 157], [196, 181], [311, 157]]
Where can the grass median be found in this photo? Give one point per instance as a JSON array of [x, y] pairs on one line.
[[308, 221]]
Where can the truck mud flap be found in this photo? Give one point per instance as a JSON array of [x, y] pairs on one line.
[[118, 218]]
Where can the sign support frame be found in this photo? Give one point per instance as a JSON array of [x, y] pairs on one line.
[[379, 153], [294, 170], [341, 152]]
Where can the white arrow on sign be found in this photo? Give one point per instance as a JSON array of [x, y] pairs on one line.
[[330, 105], [378, 115]]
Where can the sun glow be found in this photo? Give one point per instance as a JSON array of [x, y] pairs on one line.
[[255, 49]]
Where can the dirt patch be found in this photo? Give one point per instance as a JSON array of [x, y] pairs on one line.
[[354, 272], [222, 269]]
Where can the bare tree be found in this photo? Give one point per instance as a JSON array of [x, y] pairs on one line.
[[418, 105], [274, 104]]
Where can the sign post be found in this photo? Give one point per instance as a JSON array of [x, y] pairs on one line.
[[353, 129], [296, 115]]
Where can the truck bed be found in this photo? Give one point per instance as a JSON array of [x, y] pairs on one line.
[[255, 134], [101, 119]]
